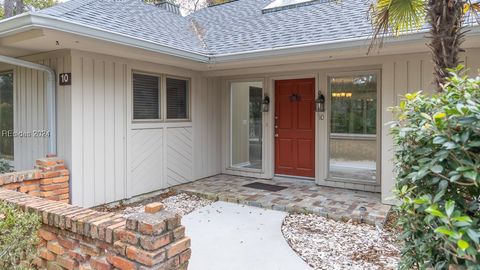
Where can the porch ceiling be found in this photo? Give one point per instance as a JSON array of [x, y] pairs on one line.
[[299, 196]]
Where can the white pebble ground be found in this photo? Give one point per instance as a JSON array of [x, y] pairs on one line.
[[181, 204], [329, 244]]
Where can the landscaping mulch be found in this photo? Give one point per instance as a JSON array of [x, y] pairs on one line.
[[329, 244]]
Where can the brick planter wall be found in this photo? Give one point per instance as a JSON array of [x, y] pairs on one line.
[[50, 180], [73, 237]]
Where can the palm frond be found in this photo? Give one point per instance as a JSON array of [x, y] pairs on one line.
[[471, 9], [393, 17]]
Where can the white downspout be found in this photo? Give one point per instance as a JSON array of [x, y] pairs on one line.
[[51, 97]]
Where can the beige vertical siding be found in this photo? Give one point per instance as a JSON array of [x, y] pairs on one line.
[[116, 158], [98, 130], [472, 61], [30, 110], [206, 116]]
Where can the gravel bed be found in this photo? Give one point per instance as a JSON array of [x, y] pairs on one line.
[[329, 244], [181, 204]]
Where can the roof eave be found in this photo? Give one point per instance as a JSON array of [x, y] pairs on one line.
[[36, 20], [29, 21]]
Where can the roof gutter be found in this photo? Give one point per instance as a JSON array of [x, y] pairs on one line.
[[51, 97]]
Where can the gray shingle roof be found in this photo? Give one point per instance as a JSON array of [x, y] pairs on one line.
[[131, 18], [236, 27], [241, 26]]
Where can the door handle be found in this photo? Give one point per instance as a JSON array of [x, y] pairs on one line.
[[276, 135]]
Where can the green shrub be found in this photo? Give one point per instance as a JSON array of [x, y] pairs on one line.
[[18, 237], [437, 162], [5, 166]]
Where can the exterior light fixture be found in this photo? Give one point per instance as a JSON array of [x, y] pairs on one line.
[[266, 104], [320, 103]]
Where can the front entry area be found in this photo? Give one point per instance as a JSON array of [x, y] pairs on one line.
[[295, 127]]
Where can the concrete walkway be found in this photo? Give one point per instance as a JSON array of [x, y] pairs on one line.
[[227, 236]]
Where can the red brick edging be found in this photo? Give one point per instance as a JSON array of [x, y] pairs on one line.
[[73, 237], [50, 180]]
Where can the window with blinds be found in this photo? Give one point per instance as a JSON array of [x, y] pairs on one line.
[[177, 98], [146, 97]]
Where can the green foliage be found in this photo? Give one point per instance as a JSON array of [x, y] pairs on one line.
[[5, 166], [40, 4], [18, 237], [399, 15], [29, 5], [437, 162]]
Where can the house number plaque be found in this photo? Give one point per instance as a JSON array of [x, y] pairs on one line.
[[65, 79]]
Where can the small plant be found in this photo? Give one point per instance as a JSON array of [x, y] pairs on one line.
[[5, 166], [437, 163], [18, 237]]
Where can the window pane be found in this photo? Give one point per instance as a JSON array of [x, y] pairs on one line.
[[146, 97], [6, 115], [353, 142], [177, 99], [246, 124]]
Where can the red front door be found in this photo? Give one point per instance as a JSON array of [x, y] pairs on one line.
[[295, 127]]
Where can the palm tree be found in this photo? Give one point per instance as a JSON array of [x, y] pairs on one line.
[[444, 17]]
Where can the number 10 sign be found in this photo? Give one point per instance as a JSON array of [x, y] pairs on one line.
[[65, 79]]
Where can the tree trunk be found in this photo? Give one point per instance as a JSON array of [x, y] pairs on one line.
[[8, 6], [446, 37], [19, 6]]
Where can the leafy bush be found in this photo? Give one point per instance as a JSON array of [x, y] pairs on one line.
[[18, 237], [5, 166], [437, 162]]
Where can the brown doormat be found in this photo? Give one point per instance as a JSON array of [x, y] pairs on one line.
[[267, 187]]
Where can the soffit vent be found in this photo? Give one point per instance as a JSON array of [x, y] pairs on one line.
[[279, 5]]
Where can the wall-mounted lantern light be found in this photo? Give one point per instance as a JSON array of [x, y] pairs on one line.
[[266, 104], [320, 103]]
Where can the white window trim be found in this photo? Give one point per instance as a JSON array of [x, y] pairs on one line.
[[162, 88]]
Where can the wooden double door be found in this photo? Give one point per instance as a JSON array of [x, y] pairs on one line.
[[295, 127]]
